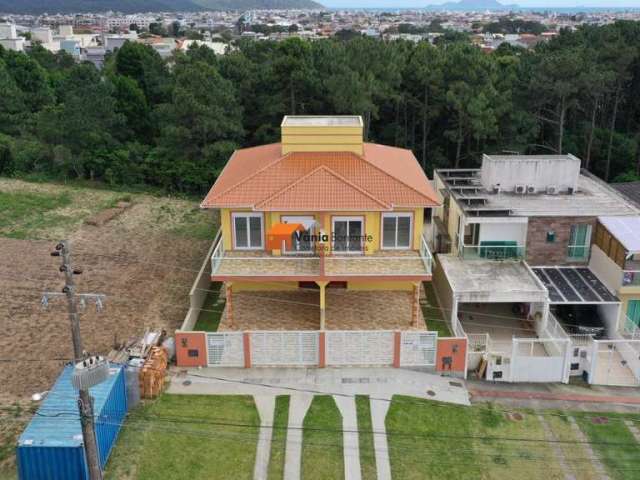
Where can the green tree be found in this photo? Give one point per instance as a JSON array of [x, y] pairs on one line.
[[200, 127]]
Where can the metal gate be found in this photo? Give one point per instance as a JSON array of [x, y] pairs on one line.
[[418, 348], [615, 362], [540, 360], [284, 348], [225, 349], [361, 348]]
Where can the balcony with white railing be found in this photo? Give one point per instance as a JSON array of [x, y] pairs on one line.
[[630, 329], [631, 278], [414, 265], [492, 252]]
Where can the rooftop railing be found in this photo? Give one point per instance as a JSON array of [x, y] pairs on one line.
[[493, 252]]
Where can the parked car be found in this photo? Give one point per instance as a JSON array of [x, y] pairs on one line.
[[581, 319]]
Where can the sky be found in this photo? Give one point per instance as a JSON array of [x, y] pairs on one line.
[[522, 3]]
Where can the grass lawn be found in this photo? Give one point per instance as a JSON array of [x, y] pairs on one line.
[[36, 210], [620, 458], [188, 448], [211, 313], [418, 458], [514, 457], [433, 314], [23, 213], [462, 442], [574, 453], [13, 420], [365, 437], [279, 438], [322, 453]]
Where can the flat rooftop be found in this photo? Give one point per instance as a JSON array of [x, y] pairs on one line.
[[593, 198], [322, 121], [492, 281]]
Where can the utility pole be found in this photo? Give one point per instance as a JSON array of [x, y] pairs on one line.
[[85, 402]]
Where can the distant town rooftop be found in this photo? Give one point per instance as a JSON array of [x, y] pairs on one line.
[[322, 121]]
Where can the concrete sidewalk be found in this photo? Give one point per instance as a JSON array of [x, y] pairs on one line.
[[375, 382], [266, 405], [350, 441]]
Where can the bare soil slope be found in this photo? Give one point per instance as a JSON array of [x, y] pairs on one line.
[[144, 260]]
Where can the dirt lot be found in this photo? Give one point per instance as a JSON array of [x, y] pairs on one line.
[[144, 260]]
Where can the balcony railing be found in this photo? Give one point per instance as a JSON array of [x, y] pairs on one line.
[[382, 263], [631, 329], [493, 252], [630, 278]]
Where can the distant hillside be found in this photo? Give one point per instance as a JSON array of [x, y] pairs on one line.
[[473, 5], [36, 7]]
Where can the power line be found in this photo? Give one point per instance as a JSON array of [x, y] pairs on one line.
[[252, 438]]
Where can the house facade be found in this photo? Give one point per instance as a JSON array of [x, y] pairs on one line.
[[321, 231], [521, 274]]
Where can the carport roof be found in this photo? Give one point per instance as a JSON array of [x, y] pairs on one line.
[[491, 281], [574, 285]]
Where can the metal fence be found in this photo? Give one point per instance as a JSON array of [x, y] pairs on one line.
[[284, 348], [418, 349], [225, 349], [359, 348]]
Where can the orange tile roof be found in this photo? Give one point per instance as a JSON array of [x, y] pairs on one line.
[[263, 179], [322, 189]]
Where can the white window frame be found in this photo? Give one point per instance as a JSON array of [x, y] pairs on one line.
[[247, 215], [395, 215], [363, 233], [586, 245], [306, 217]]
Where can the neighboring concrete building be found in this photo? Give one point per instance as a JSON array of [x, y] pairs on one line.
[[8, 30], [9, 38], [631, 190], [518, 222], [43, 35]]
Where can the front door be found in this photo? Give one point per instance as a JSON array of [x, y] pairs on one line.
[[348, 234]]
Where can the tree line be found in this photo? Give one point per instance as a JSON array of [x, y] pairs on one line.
[[173, 124]]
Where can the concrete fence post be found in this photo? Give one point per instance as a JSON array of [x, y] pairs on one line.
[[397, 345], [246, 344], [322, 350]]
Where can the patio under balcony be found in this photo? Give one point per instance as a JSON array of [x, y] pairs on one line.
[[300, 310]]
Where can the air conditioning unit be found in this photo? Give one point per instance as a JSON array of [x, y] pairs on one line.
[[552, 190], [521, 189], [531, 189]]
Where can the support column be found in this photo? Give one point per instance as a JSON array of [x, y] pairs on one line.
[[397, 345], [322, 347], [323, 288], [228, 291], [415, 305], [246, 347]]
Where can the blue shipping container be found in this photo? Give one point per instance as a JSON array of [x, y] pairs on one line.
[[51, 446]]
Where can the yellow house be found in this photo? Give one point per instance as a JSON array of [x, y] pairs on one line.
[[321, 230]]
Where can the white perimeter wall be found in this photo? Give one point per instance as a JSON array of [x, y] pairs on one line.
[[608, 271]]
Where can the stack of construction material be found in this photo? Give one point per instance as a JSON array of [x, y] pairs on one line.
[[153, 372]]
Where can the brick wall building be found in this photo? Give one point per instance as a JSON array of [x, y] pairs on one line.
[[548, 240]]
